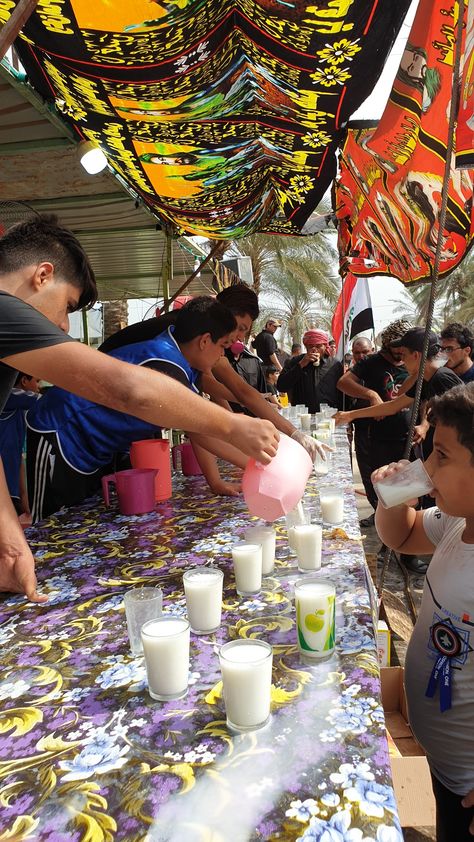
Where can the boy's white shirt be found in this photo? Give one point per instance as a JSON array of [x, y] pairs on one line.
[[448, 597]]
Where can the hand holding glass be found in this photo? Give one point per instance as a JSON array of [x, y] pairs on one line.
[[401, 482]]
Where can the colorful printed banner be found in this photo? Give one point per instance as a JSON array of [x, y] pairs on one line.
[[353, 313], [465, 126], [388, 195], [223, 116]]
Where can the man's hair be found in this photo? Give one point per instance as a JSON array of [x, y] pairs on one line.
[[395, 330], [240, 299], [43, 239], [461, 333], [455, 408], [203, 315], [295, 347]]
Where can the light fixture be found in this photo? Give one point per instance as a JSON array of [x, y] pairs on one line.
[[91, 156]]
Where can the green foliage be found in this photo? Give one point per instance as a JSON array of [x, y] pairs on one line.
[[298, 275]]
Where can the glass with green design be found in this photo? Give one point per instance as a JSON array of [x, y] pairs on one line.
[[315, 600]]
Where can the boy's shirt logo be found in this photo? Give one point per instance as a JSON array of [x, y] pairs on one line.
[[450, 646]]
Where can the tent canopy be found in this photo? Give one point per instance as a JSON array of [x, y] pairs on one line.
[[223, 116], [41, 168]]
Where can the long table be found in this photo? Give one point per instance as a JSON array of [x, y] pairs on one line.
[[86, 755]]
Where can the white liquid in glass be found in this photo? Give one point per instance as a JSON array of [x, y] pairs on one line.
[[247, 677], [203, 591], [166, 650]]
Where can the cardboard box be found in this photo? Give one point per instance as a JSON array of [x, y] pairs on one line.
[[410, 771], [383, 643]]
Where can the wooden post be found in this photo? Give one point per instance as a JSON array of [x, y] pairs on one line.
[[15, 23]]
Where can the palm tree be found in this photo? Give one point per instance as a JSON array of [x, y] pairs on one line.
[[302, 286], [455, 297], [115, 315], [298, 275]]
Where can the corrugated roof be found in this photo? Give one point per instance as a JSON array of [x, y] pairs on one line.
[[39, 165]]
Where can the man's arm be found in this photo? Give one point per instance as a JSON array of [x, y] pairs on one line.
[[401, 527], [246, 395], [17, 565], [144, 393], [352, 386], [289, 376], [276, 362], [382, 410], [205, 448]]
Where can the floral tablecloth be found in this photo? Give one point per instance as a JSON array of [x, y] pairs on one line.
[[85, 754]]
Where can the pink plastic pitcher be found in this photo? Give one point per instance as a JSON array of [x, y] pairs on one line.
[[189, 464], [154, 453], [272, 490], [135, 490]]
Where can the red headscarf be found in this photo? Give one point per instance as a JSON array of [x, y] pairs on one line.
[[315, 337]]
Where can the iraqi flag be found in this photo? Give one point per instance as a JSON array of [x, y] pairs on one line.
[[353, 313]]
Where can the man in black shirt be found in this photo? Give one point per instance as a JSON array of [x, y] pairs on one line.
[[265, 344], [310, 378], [437, 380], [457, 341]]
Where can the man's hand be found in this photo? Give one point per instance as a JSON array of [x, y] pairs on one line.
[[313, 356], [387, 470], [226, 489], [374, 398], [312, 446], [343, 418], [17, 565], [255, 437], [468, 801], [419, 432]]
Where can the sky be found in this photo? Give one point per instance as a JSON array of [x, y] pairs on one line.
[[386, 293]]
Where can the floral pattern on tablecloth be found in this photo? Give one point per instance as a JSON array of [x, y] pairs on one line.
[[86, 754]]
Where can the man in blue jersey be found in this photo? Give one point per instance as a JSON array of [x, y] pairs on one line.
[[71, 439]]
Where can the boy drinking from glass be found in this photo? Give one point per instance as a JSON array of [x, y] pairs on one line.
[[439, 668]]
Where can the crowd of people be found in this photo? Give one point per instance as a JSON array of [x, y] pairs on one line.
[[195, 369]]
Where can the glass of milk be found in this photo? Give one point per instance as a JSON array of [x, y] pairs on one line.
[[305, 421], [246, 667], [315, 600], [247, 560], [296, 517], [166, 649], [308, 541], [266, 536], [411, 481], [141, 605], [332, 505], [203, 592]]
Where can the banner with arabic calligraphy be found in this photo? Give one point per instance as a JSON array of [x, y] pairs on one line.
[[388, 195], [223, 116], [465, 125]]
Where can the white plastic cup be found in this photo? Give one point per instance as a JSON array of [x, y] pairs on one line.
[[404, 485], [332, 505], [246, 667], [266, 536], [203, 592], [305, 420], [315, 601], [308, 542], [247, 560], [321, 466], [141, 605], [166, 649], [296, 517]]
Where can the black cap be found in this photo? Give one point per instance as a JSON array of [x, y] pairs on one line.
[[413, 340]]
